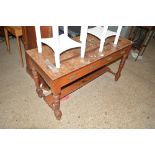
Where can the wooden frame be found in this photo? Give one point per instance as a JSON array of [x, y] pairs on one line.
[[74, 72], [17, 32], [149, 30]]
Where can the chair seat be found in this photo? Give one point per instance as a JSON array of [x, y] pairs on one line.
[[97, 31], [61, 44]]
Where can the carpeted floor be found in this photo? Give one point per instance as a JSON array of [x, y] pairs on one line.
[[103, 103]]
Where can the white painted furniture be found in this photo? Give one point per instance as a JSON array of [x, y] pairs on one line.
[[102, 33], [61, 43]]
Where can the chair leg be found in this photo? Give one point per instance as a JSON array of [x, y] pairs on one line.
[[7, 39], [20, 51], [102, 41], [117, 35], [83, 37], [57, 60]]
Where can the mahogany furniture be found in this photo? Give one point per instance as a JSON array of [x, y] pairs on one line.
[[17, 32], [75, 72]]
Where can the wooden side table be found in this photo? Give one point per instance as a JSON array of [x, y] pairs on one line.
[[17, 32], [75, 72]]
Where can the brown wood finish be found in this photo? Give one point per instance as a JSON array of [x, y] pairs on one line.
[[2, 31], [29, 35], [17, 32], [46, 31], [75, 72], [29, 38]]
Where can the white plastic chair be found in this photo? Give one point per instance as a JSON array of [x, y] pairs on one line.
[[61, 43], [102, 33]]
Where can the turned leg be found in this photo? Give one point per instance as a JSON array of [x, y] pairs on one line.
[[37, 83], [123, 60], [20, 51], [7, 39], [118, 74], [55, 102], [56, 106], [28, 64]]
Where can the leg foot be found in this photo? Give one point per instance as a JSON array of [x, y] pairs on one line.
[[54, 102], [117, 76], [58, 114]]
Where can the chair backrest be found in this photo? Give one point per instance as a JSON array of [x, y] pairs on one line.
[[61, 43], [55, 31], [83, 36], [102, 33]]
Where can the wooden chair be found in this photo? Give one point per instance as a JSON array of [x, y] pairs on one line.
[[140, 35], [17, 32], [102, 33], [61, 43]]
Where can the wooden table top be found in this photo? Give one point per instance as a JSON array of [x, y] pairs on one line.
[[71, 60]]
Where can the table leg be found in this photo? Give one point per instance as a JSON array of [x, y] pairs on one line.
[[7, 39], [123, 60], [20, 51], [55, 102], [56, 106], [121, 65], [37, 83]]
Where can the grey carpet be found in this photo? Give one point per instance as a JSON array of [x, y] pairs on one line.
[[103, 103]]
